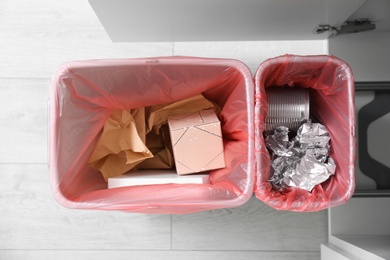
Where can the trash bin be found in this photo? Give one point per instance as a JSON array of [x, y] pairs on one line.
[[331, 85], [85, 93]]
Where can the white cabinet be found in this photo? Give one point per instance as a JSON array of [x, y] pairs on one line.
[[367, 53], [359, 229], [220, 20], [256, 20]]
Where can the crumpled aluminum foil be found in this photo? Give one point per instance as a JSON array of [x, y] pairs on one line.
[[302, 162]]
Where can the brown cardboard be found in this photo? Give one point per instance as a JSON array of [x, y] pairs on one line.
[[196, 141], [158, 115]]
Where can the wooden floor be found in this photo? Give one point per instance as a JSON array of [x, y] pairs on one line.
[[35, 38]]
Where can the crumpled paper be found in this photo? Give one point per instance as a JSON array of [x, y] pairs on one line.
[[160, 146], [302, 162], [121, 146], [140, 138]]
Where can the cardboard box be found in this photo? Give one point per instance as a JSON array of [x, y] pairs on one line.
[[151, 177], [196, 142]]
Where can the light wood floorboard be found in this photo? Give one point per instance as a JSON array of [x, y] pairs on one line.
[[252, 53], [253, 226], [153, 255], [37, 36], [30, 218], [23, 120]]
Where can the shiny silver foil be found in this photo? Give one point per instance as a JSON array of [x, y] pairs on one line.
[[302, 162]]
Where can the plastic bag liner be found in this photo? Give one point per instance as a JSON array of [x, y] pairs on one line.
[[85, 93], [333, 104]]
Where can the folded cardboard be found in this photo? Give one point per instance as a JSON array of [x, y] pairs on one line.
[[196, 141]]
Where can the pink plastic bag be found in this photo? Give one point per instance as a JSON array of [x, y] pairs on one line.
[[333, 103], [83, 95]]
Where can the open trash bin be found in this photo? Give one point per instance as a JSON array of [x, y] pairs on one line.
[[332, 96], [85, 93]]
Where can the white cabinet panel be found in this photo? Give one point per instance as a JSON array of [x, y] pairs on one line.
[[228, 20], [361, 228], [367, 53], [329, 252]]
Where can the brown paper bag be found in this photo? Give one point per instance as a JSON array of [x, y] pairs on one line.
[[121, 146]]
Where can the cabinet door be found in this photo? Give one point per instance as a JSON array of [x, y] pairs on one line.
[[367, 53], [220, 20]]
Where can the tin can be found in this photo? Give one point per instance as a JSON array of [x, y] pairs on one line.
[[287, 107]]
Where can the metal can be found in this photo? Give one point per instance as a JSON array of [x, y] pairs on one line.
[[287, 106]]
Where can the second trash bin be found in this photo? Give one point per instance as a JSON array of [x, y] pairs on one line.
[[331, 85]]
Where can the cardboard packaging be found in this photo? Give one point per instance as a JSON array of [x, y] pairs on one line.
[[152, 177], [196, 142], [137, 138]]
